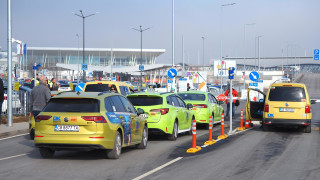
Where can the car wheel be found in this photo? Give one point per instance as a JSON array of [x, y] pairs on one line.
[[190, 131], [46, 152], [174, 134], [307, 129], [32, 134], [116, 151], [144, 140], [265, 127]]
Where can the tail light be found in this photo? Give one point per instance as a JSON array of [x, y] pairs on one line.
[[42, 118], [201, 105], [308, 109], [266, 108], [162, 111], [97, 119], [5, 98]]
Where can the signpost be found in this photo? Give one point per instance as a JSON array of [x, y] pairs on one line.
[[316, 54], [80, 87], [254, 76], [84, 66], [172, 73], [222, 97], [231, 76]]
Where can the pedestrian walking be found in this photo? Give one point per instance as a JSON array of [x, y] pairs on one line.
[[40, 96], [1, 97], [234, 94]]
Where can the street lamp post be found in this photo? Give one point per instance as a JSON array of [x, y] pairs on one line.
[[259, 52], [223, 5], [78, 60], [244, 55], [141, 30], [83, 57], [203, 52]]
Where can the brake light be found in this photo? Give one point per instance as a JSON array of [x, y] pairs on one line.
[[201, 105], [97, 119], [162, 111], [307, 109], [5, 97], [42, 118], [266, 108]]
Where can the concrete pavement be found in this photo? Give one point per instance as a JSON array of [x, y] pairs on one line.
[[15, 129]]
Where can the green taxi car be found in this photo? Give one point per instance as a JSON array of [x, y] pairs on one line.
[[204, 105], [88, 121], [166, 113]]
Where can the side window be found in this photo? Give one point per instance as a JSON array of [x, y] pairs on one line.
[[124, 90], [175, 101], [118, 106], [182, 103], [109, 105], [169, 101], [214, 100], [127, 105]]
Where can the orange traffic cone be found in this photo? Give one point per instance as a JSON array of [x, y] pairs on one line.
[[210, 141], [194, 148], [222, 136], [241, 128]]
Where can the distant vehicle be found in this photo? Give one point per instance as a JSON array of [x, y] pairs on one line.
[[286, 104], [101, 86], [88, 121], [214, 91]]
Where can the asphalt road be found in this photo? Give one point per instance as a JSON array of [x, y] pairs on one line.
[[279, 154]]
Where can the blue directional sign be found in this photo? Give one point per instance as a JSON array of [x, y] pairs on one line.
[[84, 66], [141, 67], [80, 87], [316, 54], [34, 67], [254, 76], [253, 84], [172, 73]]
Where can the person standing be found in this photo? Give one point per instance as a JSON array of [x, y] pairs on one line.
[[40, 96], [234, 94], [53, 85], [1, 97], [188, 87], [32, 81]]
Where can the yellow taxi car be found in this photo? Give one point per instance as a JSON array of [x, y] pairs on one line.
[[101, 86], [286, 104], [87, 121]]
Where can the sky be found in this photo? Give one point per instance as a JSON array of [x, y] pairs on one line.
[[291, 25]]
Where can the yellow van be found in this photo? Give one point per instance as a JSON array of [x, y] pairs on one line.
[[286, 104], [102, 86]]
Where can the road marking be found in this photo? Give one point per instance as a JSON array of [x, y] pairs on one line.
[[204, 146], [13, 136], [157, 169], [12, 157]]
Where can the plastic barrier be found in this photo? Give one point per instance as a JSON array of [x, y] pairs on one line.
[[194, 148], [222, 136], [241, 128], [210, 141], [247, 123]]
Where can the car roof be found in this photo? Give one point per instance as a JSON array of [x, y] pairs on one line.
[[289, 84], [108, 82], [151, 94], [80, 94], [192, 92]]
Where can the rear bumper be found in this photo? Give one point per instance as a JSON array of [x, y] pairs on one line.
[[287, 122], [69, 146], [202, 116]]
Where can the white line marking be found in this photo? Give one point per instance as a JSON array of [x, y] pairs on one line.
[[157, 169], [13, 136], [12, 157], [204, 146]]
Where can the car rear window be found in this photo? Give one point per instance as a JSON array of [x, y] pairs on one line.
[[294, 94], [72, 105], [193, 97], [97, 87], [145, 100]]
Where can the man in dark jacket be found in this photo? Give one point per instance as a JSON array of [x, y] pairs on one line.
[[40, 96], [1, 97]]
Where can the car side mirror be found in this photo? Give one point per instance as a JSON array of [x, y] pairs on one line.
[[189, 106], [140, 111], [220, 102], [313, 101]]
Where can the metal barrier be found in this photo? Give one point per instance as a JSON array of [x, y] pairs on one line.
[[20, 103]]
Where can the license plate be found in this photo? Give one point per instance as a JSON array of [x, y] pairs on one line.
[[66, 128], [144, 115], [286, 109]]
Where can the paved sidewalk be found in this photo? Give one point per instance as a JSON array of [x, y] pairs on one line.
[[15, 129]]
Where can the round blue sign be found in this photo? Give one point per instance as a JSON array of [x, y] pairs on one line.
[[254, 76], [80, 87], [172, 73]]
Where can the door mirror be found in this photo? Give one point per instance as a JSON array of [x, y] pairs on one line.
[[220, 102], [140, 111], [313, 101], [189, 106]]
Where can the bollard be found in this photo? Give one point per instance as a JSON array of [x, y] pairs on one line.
[[241, 128], [210, 141], [194, 148], [222, 136], [247, 123]]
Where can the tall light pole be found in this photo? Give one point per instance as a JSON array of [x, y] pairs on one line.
[[9, 67], [141, 30], [259, 52], [78, 60], [244, 54], [203, 52], [83, 18], [223, 5]]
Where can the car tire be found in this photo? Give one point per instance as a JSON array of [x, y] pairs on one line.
[[31, 133], [174, 134], [265, 127], [307, 129], [190, 131], [116, 151], [46, 153], [144, 140]]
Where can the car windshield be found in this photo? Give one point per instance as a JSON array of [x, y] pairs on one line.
[[72, 105], [145, 100], [293, 94], [98, 87], [193, 97]]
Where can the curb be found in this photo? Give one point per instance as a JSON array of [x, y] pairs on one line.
[[13, 133]]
